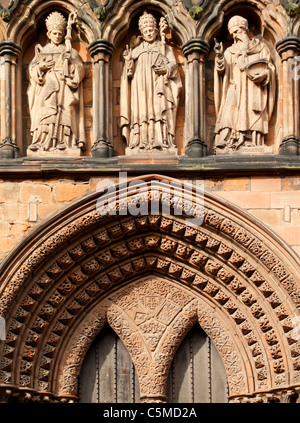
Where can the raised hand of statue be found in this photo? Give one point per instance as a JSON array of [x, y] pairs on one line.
[[218, 48], [128, 61], [163, 25], [127, 53]]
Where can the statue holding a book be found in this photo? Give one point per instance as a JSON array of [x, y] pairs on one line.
[[244, 89]]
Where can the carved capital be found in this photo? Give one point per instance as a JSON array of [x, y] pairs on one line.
[[196, 148], [288, 47], [290, 146], [10, 49], [102, 148], [153, 399], [8, 149], [195, 45], [101, 50]]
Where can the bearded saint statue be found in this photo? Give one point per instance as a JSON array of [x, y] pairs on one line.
[[244, 86], [55, 92], [150, 88]]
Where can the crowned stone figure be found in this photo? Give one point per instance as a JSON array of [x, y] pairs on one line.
[[244, 86], [150, 88], [55, 93]]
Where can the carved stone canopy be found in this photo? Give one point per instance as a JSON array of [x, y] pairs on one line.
[[81, 270]]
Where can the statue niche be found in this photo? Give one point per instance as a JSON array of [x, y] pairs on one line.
[[150, 88], [244, 84], [55, 93]]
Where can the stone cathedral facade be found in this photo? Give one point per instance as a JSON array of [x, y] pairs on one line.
[[149, 201]]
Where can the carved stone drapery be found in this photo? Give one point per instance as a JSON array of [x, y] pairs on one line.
[[244, 92], [289, 48], [101, 52], [195, 51], [55, 93], [9, 53], [150, 88]]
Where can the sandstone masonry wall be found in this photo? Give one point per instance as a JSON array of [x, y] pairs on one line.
[[275, 201]]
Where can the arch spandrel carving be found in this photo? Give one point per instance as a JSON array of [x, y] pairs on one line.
[[231, 262]]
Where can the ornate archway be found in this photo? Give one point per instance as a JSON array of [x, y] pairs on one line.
[[197, 373], [80, 270]]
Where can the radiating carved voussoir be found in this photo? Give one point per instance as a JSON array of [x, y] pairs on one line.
[[220, 261]]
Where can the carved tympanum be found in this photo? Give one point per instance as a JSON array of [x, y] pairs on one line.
[[244, 92], [55, 93], [150, 88]]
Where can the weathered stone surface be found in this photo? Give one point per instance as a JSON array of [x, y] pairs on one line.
[[55, 93], [245, 99], [150, 88]]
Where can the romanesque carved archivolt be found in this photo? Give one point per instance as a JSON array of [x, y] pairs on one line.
[[244, 92], [150, 88], [224, 343], [227, 265], [87, 332], [55, 93], [151, 316]]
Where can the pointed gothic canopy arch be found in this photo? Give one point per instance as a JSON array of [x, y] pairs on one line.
[[119, 18], [278, 28], [26, 18], [81, 269]]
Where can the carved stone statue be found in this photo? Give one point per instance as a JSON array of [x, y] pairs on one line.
[[55, 93], [244, 92], [150, 88]]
